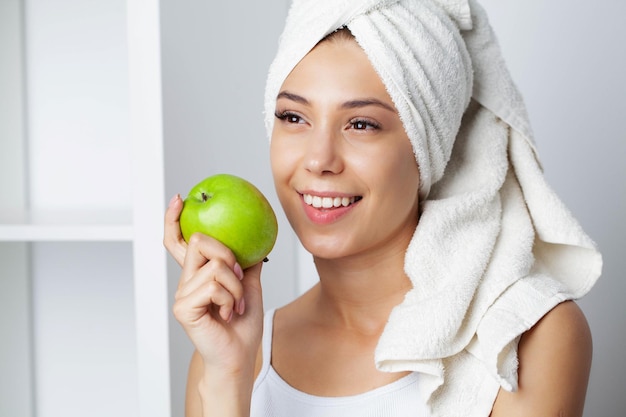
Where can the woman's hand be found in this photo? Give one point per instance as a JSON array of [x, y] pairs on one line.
[[217, 303]]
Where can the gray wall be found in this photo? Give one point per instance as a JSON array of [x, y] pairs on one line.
[[568, 59]]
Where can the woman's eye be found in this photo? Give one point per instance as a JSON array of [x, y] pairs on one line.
[[289, 117], [292, 118], [359, 125], [364, 125]]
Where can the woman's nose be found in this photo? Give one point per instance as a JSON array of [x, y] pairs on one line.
[[323, 153]]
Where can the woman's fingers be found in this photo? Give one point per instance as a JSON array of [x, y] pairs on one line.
[[193, 307], [203, 249], [214, 271], [172, 237], [208, 261]]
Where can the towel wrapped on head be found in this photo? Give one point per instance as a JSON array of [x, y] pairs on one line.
[[495, 249], [430, 80]]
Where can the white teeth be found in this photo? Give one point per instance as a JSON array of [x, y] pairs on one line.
[[328, 202]]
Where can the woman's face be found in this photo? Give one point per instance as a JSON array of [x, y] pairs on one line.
[[343, 166]]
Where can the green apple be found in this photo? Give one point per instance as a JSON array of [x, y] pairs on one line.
[[233, 211]]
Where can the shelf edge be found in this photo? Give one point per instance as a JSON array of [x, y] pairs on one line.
[[49, 233]]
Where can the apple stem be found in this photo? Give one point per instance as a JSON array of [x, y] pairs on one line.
[[204, 197]]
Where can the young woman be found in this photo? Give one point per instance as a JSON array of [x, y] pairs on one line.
[[379, 166]]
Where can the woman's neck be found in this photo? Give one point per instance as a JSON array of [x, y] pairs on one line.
[[360, 292]]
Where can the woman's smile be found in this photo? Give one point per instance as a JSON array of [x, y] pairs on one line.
[[327, 208]]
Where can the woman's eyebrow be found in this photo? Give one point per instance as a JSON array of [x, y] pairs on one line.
[[292, 97], [351, 104]]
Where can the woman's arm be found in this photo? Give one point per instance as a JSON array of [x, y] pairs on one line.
[[215, 396], [193, 398], [193, 402], [555, 361]]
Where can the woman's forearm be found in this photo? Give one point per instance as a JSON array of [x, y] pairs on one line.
[[225, 396]]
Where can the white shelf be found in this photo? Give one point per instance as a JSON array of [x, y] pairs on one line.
[[64, 225], [81, 136]]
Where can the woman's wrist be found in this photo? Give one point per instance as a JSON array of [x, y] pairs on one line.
[[226, 395]]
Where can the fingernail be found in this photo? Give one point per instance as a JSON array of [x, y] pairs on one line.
[[238, 271], [241, 308], [230, 316]]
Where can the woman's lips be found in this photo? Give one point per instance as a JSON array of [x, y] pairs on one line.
[[326, 209]]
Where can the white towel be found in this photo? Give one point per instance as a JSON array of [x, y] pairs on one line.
[[495, 249]]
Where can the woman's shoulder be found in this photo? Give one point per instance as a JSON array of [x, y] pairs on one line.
[[554, 365], [563, 330]]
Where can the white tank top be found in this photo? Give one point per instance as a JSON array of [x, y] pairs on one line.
[[273, 397]]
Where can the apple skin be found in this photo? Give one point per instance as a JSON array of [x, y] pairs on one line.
[[233, 211]]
